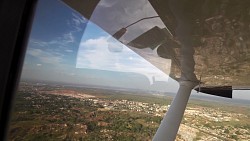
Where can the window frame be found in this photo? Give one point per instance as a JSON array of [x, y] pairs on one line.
[[15, 26]]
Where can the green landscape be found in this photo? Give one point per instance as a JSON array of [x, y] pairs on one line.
[[53, 112]]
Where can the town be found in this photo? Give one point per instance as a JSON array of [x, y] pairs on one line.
[[60, 112]]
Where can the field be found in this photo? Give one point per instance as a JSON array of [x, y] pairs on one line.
[[41, 113]]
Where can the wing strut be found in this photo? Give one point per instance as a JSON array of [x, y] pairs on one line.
[[170, 124]]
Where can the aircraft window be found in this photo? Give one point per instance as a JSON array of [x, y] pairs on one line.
[[86, 79]]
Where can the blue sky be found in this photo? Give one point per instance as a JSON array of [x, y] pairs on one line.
[[65, 47]]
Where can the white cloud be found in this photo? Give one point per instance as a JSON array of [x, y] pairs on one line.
[[47, 57], [77, 22], [62, 41], [95, 43], [38, 43], [51, 52], [69, 50], [94, 54], [68, 38], [65, 40]]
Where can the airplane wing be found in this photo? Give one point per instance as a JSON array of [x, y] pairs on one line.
[[208, 42]]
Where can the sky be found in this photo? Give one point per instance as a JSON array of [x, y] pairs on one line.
[[65, 47]]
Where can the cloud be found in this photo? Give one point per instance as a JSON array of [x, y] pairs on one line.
[[53, 51], [45, 56], [61, 41], [68, 38], [77, 23], [78, 20], [64, 40], [38, 43], [95, 43], [69, 50], [94, 54], [59, 48]]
